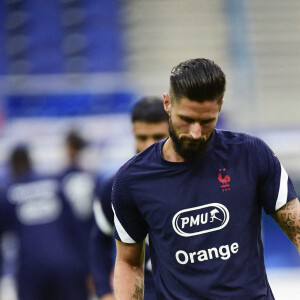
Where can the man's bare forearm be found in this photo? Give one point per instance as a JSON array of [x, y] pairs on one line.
[[128, 282], [288, 218]]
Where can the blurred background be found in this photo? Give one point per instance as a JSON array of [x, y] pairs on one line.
[[71, 64]]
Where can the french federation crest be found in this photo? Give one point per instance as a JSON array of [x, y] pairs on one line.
[[225, 179]]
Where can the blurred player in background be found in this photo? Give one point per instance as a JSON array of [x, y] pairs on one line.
[[77, 188], [149, 125], [31, 206], [78, 185], [199, 195]]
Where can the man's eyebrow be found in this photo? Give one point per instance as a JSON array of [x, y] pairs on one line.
[[202, 121], [183, 117], [208, 120]]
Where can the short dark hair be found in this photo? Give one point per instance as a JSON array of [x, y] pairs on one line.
[[75, 141], [149, 110], [197, 79], [20, 161]]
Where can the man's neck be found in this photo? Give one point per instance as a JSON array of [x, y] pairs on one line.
[[169, 153]]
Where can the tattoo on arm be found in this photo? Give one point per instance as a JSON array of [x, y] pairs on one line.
[[288, 218], [139, 289]]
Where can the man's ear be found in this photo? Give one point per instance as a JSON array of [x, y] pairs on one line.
[[167, 103]]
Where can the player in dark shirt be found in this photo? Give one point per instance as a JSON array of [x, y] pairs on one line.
[[32, 207], [199, 195], [77, 188], [150, 124]]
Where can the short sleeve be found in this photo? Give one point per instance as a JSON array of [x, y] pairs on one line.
[[102, 207], [275, 186], [129, 225]]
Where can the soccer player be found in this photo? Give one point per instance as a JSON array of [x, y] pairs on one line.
[[78, 185], [31, 207], [77, 188], [149, 124], [199, 196]]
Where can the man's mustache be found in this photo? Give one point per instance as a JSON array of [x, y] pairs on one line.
[[191, 140]]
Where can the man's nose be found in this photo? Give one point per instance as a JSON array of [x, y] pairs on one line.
[[195, 131]]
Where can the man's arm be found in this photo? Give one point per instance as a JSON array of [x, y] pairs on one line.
[[101, 238], [129, 271], [101, 261], [288, 218]]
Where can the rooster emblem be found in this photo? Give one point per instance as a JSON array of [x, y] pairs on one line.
[[224, 180]]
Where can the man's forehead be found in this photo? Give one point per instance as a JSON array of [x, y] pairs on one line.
[[187, 105]]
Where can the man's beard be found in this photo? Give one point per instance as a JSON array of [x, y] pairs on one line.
[[186, 147]]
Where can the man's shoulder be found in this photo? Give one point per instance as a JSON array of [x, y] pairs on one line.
[[142, 160], [31, 185], [239, 138], [73, 170], [32, 178]]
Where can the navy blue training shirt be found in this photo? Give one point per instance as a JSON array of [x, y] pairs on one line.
[[203, 217], [51, 256], [32, 207], [102, 247], [77, 189]]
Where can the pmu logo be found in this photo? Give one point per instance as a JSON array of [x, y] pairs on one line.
[[200, 219]]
